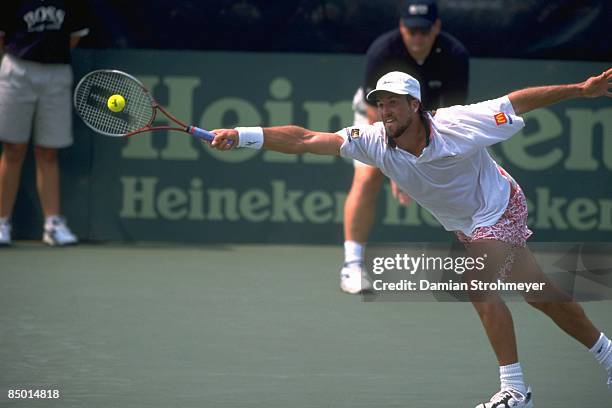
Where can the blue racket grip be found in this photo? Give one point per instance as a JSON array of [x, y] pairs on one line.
[[203, 134]]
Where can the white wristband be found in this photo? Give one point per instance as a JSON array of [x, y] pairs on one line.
[[251, 137]]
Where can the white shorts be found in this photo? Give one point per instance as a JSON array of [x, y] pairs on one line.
[[35, 100]]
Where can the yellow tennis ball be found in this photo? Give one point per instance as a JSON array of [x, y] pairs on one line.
[[116, 103]]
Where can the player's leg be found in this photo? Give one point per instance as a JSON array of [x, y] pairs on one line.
[[552, 301], [359, 209], [17, 102], [11, 163], [359, 215], [52, 130], [360, 205], [492, 311], [497, 322], [498, 243], [566, 313], [47, 180]]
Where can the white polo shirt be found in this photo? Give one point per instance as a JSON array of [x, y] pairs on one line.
[[454, 178]]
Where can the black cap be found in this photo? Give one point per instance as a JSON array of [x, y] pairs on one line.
[[419, 13]]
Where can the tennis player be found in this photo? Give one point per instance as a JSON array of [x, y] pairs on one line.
[[419, 47], [441, 161]]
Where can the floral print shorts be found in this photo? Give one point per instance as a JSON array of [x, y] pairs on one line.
[[511, 227]]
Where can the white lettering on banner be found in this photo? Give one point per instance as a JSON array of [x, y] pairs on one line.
[[214, 117], [144, 198], [230, 112], [141, 147], [540, 149], [176, 148], [280, 112], [285, 203], [172, 203], [180, 103], [196, 196], [548, 211], [320, 116], [516, 148], [582, 124], [138, 197]]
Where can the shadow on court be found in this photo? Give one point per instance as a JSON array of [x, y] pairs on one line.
[[164, 325]]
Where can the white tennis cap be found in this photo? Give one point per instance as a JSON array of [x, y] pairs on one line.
[[398, 83]]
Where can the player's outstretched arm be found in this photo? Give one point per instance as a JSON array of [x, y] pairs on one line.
[[284, 139], [528, 99]]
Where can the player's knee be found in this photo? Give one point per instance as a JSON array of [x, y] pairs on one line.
[[485, 304], [555, 308], [543, 307], [550, 307], [14, 152], [45, 154]]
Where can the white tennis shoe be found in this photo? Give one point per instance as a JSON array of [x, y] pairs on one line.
[[57, 233], [354, 279], [509, 398], [5, 233]]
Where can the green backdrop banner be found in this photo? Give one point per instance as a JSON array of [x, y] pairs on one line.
[[170, 187]]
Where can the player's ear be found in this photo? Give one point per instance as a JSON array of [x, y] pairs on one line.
[[437, 27], [403, 29]]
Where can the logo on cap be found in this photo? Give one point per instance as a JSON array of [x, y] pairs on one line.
[[398, 83], [418, 9]]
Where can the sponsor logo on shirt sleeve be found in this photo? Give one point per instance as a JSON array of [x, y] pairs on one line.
[[355, 133], [501, 119]]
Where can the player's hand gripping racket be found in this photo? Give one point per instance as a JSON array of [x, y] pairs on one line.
[[114, 103]]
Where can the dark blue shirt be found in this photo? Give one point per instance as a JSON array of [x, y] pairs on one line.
[[443, 75], [40, 30]]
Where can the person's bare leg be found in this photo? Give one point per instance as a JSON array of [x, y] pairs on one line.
[[566, 313], [498, 323], [570, 317], [493, 312], [499, 327], [359, 215], [360, 204], [11, 163], [47, 180]]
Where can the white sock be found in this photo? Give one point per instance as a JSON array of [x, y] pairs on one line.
[[511, 376], [353, 252], [51, 220], [602, 350]]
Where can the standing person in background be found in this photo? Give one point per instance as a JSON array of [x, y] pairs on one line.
[[441, 64], [36, 37]]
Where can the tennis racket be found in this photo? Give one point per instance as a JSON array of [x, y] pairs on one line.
[[116, 104]]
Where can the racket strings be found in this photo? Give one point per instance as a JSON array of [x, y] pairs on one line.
[[91, 98]]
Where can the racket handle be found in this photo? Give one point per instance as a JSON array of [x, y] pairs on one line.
[[201, 133]]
